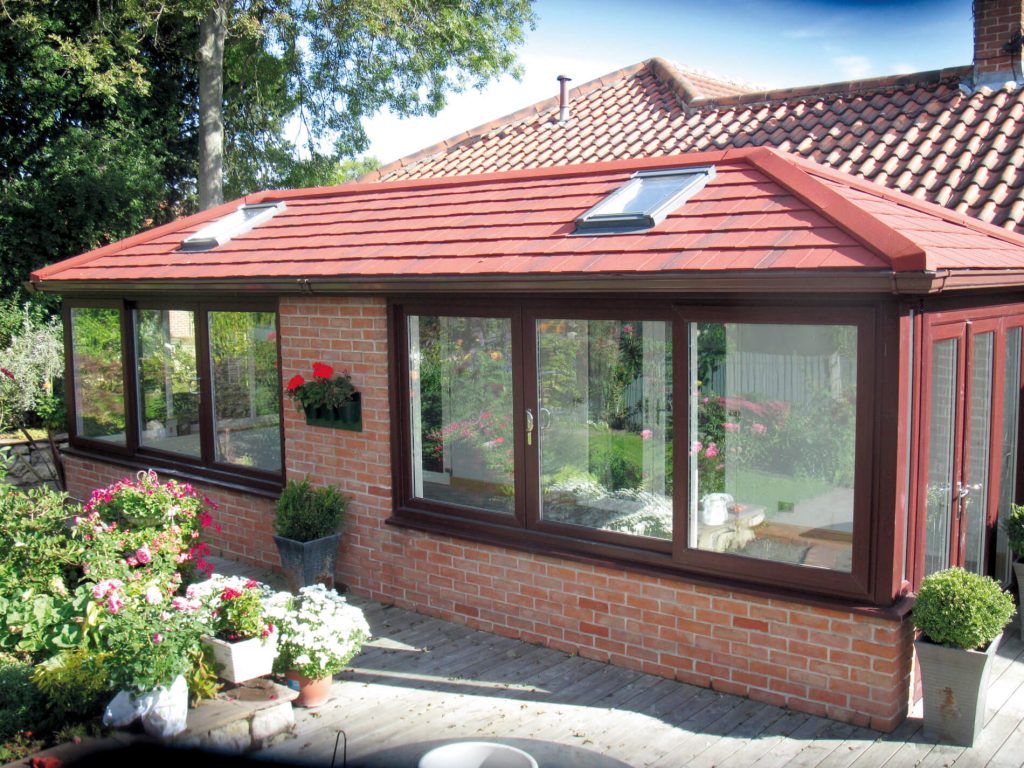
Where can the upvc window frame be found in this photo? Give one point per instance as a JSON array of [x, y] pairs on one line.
[[624, 550], [205, 467]]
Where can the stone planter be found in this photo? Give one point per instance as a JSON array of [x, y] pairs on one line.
[[244, 660], [1018, 569], [955, 684], [305, 563], [348, 416], [313, 691]]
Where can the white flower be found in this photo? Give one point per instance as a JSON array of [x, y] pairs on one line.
[[154, 596]]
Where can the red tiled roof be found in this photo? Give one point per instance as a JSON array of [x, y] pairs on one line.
[[764, 212], [920, 134]]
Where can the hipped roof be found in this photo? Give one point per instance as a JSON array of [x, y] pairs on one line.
[[764, 216]]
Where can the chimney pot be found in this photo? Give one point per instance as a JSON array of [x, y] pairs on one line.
[[563, 98]]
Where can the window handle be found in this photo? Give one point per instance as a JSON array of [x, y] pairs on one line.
[[529, 427]]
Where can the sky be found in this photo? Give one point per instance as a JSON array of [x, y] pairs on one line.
[[769, 43]]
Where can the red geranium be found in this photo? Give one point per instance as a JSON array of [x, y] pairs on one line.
[[322, 371], [295, 382]]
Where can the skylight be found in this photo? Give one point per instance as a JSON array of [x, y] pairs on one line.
[[232, 225], [644, 200]]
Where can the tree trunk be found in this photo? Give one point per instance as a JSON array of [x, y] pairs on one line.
[[212, 31]]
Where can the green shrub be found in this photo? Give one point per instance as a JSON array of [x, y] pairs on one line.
[[305, 513], [1014, 526], [960, 609], [22, 705], [75, 683], [38, 550]]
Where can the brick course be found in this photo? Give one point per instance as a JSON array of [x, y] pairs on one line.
[[828, 662]]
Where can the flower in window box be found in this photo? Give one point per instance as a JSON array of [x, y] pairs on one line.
[[325, 390]]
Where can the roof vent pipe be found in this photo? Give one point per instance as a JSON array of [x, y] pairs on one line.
[[563, 98]]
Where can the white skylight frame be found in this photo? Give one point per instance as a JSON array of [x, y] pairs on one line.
[[614, 216], [241, 220]]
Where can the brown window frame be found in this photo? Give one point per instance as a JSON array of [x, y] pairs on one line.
[[204, 468], [623, 550]]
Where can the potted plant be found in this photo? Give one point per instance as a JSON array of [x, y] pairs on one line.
[[319, 634], [328, 400], [243, 641], [307, 525], [1014, 526], [961, 616]]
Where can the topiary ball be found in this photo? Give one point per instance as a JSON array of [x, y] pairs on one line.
[[960, 609]]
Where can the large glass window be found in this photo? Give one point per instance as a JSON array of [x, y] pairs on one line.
[[168, 382], [605, 424], [207, 393], [462, 442], [772, 435], [99, 374], [1008, 464], [246, 393]]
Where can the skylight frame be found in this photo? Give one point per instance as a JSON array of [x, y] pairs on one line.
[[595, 222], [238, 222]]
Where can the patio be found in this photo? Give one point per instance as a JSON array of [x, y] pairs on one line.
[[423, 682]]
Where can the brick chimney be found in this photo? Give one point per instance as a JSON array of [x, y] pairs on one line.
[[997, 41]]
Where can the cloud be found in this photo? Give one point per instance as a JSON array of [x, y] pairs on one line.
[[808, 33], [853, 67]]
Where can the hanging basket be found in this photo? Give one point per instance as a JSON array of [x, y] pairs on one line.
[[348, 416]]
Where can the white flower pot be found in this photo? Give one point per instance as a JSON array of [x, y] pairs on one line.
[[245, 659]]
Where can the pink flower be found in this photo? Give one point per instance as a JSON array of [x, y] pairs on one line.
[[271, 335], [646, 434], [251, 584], [696, 447], [114, 604], [143, 555], [322, 371], [154, 596], [295, 382], [205, 519], [712, 451], [730, 427], [627, 328], [758, 427], [157, 638]]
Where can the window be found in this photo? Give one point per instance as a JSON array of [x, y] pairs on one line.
[[771, 442], [644, 201], [232, 225], [558, 424], [205, 386], [98, 404]]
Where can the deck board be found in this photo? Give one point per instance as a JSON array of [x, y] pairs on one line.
[[422, 682]]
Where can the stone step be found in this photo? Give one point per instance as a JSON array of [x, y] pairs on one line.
[[242, 718]]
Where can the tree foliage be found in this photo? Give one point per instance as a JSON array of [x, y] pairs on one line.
[[99, 102]]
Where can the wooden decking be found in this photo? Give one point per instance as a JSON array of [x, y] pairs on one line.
[[423, 682]]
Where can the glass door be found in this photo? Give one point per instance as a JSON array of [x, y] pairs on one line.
[[960, 442]]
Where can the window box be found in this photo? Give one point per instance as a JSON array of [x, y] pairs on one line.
[[348, 416]]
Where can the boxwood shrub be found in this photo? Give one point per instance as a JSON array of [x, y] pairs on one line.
[[1014, 526], [305, 513], [961, 609]]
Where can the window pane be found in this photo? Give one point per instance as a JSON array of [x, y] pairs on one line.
[[941, 432], [460, 375], [246, 396], [604, 424], [168, 382], [979, 439], [99, 374], [1008, 467], [772, 436]]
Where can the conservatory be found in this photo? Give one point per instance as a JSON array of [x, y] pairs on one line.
[[711, 416]]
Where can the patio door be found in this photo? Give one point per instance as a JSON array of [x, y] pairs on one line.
[[962, 440]]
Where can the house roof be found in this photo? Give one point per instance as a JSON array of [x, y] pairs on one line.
[[764, 214], [924, 134]]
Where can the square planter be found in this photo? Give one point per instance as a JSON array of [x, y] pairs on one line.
[[955, 684], [245, 659], [348, 416], [304, 563]]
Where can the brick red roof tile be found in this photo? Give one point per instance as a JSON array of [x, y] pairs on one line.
[[922, 133], [764, 211]]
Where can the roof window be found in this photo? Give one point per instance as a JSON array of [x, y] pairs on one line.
[[220, 231], [644, 200]]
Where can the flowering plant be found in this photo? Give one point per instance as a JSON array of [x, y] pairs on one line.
[[324, 390], [237, 611], [319, 631]]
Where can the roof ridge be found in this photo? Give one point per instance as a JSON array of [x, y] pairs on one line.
[[507, 121], [827, 90]]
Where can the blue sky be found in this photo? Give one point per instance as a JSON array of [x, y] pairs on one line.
[[772, 43]]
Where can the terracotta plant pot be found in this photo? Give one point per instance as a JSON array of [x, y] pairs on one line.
[[313, 691], [243, 660]]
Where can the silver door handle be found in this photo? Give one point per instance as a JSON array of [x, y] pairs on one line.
[[529, 427]]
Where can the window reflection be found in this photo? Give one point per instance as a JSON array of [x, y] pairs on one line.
[[98, 374]]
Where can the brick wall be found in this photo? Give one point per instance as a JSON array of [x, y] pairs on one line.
[[827, 662], [996, 22]]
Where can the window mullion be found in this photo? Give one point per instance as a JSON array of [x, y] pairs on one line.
[[203, 371]]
